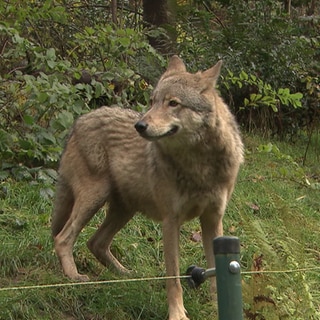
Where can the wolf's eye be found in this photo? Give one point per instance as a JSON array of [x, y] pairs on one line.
[[173, 103]]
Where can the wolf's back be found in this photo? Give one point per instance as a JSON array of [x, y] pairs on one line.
[[103, 144]]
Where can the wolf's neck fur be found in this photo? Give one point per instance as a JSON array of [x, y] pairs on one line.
[[208, 160]]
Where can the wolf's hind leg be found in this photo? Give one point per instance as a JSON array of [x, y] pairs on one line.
[[87, 202], [100, 243], [63, 205]]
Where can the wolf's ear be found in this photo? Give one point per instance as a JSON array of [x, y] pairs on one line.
[[175, 65], [211, 75]]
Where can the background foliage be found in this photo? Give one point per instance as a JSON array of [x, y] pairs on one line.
[[61, 59], [259, 41]]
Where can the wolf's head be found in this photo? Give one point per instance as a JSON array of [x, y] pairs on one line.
[[181, 102]]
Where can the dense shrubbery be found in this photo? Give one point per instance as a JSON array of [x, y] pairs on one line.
[[43, 91], [260, 40], [60, 61]]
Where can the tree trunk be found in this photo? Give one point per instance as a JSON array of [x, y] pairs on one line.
[[160, 13], [114, 11], [287, 6], [312, 8]]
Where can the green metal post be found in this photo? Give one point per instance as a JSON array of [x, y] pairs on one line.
[[228, 277]]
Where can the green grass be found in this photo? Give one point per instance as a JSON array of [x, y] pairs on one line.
[[275, 211]]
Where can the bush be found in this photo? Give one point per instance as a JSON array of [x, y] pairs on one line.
[[40, 101], [258, 39]]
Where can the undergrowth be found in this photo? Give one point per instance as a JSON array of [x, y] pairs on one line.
[[274, 211]]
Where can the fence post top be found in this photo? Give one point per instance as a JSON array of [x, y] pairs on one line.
[[225, 245]]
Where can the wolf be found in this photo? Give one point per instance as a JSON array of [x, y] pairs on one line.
[[178, 161]]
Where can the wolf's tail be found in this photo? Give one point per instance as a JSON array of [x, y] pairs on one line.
[[62, 206]]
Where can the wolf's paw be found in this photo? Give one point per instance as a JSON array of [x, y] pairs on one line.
[[179, 317], [79, 277], [105, 257], [121, 269], [83, 278]]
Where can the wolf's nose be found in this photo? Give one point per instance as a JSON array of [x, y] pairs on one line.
[[141, 126]]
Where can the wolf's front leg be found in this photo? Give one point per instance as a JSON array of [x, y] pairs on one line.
[[171, 255], [211, 226]]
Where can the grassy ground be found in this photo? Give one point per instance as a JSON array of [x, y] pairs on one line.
[[275, 211]]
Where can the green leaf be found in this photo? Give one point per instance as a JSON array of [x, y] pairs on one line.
[[243, 75], [51, 64], [297, 95], [48, 137], [4, 175], [51, 54], [255, 97], [25, 144], [64, 120], [125, 42], [253, 77], [266, 147], [29, 120], [42, 97], [90, 31], [97, 90]]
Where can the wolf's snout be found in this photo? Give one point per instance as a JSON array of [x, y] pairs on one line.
[[141, 126]]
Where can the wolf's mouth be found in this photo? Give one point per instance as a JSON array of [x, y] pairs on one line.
[[171, 132]]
